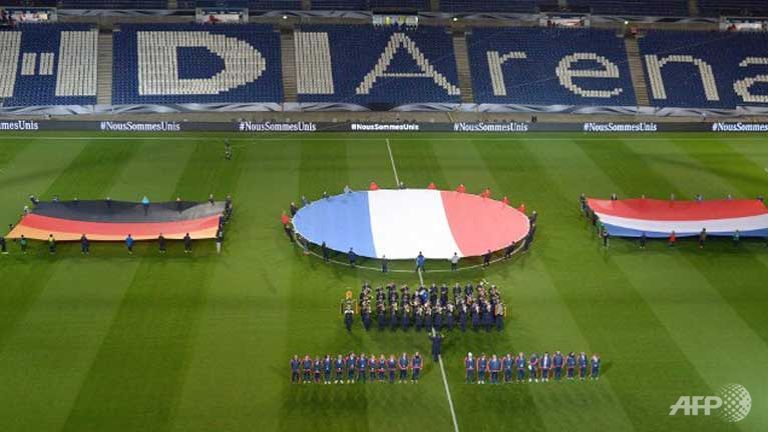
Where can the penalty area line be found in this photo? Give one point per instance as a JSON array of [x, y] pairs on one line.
[[392, 159]]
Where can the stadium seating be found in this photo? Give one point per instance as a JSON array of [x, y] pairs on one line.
[[114, 4], [633, 7], [522, 6], [733, 7], [706, 69], [363, 65], [549, 66], [190, 63], [48, 64]]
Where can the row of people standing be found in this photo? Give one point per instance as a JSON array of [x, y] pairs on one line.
[[352, 368], [428, 309], [532, 368]]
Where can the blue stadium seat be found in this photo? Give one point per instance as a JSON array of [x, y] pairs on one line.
[[190, 63], [633, 7], [733, 7], [339, 5], [114, 4], [530, 66], [521, 6], [705, 69], [421, 5], [48, 64], [378, 67]]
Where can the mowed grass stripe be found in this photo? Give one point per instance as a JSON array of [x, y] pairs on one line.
[[323, 167], [31, 170], [682, 306], [71, 314], [598, 292], [238, 359], [154, 327], [740, 266], [513, 407], [547, 303], [81, 280]]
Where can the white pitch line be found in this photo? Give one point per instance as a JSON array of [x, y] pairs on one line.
[[442, 371], [392, 159], [445, 383], [443, 137]]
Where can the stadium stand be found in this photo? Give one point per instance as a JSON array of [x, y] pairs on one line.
[[363, 65], [521, 6], [733, 7], [633, 7], [705, 70], [48, 64], [114, 4], [339, 5], [190, 63], [549, 66]]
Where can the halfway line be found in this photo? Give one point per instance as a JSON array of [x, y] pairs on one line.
[[392, 159], [445, 383]]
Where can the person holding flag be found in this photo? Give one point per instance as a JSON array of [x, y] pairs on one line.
[[461, 188], [521, 209], [431, 186], [505, 201], [373, 186], [486, 193]]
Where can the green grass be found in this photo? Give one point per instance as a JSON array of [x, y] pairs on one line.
[[201, 343]]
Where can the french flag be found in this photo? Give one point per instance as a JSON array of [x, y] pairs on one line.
[[402, 223], [658, 218]]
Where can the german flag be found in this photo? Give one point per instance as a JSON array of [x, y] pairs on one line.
[[114, 220]]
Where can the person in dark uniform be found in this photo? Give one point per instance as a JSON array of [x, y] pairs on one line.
[[23, 244], [605, 237], [161, 243], [463, 317], [129, 244], [85, 245], [365, 315], [3, 248], [488, 317], [349, 313], [416, 364], [227, 150], [487, 258], [643, 239], [295, 369], [437, 344], [294, 209], [51, 244], [384, 264], [702, 238], [352, 256], [393, 321], [510, 250], [324, 250], [187, 243]]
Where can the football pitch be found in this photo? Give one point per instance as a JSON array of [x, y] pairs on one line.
[[201, 342]]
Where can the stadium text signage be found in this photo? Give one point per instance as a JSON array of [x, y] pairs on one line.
[[621, 127], [19, 125], [739, 127], [491, 127], [373, 127], [128, 126], [247, 126]]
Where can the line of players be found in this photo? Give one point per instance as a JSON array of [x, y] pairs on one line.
[[533, 368], [351, 369], [479, 306]]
